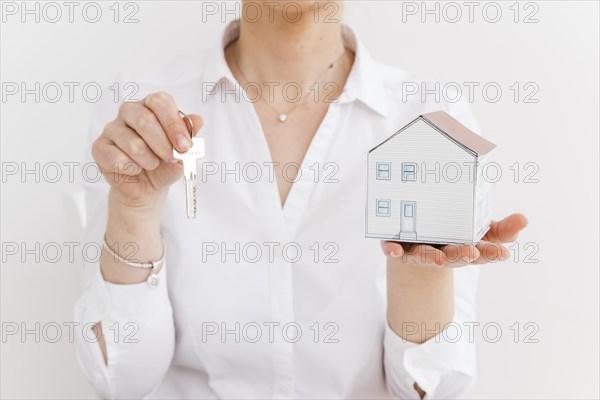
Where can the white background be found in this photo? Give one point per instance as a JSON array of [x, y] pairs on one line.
[[559, 133]]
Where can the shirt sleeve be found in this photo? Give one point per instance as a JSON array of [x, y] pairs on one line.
[[444, 366], [137, 320]]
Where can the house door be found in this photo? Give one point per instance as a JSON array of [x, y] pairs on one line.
[[408, 220]]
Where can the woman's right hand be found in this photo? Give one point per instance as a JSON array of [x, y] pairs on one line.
[[135, 151]]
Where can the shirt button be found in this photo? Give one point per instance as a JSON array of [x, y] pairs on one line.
[[283, 389]]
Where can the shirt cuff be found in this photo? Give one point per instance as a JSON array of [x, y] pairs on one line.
[[123, 301], [426, 363], [122, 308]]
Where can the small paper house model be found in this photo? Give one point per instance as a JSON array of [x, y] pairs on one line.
[[426, 185]]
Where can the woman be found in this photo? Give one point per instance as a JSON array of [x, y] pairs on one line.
[[272, 291]]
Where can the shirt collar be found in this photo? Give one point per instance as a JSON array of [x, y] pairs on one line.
[[364, 82]]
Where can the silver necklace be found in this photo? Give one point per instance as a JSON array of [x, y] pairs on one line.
[[282, 117]]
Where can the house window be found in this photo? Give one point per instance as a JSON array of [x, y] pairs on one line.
[[409, 171], [384, 170], [383, 208], [408, 210]]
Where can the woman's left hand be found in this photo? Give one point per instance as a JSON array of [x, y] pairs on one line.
[[489, 249]]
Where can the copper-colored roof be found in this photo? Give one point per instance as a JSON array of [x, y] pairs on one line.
[[459, 132]]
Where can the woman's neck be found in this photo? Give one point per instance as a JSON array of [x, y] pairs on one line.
[[283, 51]]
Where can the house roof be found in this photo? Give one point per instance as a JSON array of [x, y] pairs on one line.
[[457, 131]]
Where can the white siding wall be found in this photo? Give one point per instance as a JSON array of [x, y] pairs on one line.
[[444, 211], [483, 199]]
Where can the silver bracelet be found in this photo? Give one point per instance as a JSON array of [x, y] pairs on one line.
[[153, 265]]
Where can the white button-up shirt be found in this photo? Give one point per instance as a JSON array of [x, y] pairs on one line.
[[257, 300]]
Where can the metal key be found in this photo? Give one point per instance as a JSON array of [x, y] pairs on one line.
[[189, 159]]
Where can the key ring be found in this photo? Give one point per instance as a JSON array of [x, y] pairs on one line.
[[184, 116]]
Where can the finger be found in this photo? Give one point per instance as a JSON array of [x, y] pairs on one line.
[[197, 121], [133, 145], [177, 129], [491, 252], [392, 249], [460, 254], [507, 229], [422, 254], [112, 161], [146, 125]]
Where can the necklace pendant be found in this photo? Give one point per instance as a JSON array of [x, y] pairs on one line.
[[283, 117]]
